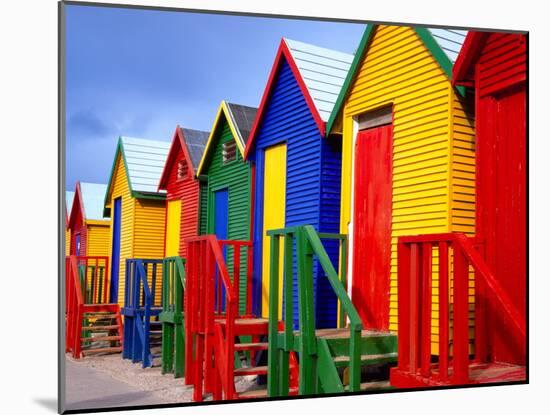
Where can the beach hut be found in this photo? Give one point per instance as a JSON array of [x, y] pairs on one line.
[[69, 197], [408, 163], [136, 207], [495, 64], [297, 169], [226, 202], [179, 181], [89, 229]]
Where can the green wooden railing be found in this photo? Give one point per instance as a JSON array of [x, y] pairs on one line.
[[308, 244], [173, 335]]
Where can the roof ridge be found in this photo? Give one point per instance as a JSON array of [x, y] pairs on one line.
[[318, 47]]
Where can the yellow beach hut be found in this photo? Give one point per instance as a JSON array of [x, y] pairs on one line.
[[407, 157], [136, 207]]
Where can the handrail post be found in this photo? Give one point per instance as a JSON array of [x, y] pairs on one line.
[[307, 316], [343, 276], [249, 279], [426, 309], [414, 290], [272, 354], [237, 275], [355, 360], [288, 339], [403, 305], [179, 279], [460, 321], [443, 310]]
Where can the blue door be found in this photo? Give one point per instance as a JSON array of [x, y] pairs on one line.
[[221, 201], [221, 213], [115, 254], [77, 244]]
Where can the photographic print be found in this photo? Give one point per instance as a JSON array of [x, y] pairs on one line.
[[264, 206]]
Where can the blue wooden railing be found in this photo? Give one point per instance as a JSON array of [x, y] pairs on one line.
[[142, 306]]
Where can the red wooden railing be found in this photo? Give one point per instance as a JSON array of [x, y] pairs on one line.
[[86, 282], [211, 293], [415, 282]]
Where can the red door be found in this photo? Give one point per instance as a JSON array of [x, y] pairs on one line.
[[502, 215], [372, 226]]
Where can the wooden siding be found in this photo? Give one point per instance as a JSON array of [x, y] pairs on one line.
[[186, 190], [502, 63], [149, 222], [429, 147], [312, 179], [79, 228], [501, 149], [203, 207], [121, 189], [98, 240], [235, 176]]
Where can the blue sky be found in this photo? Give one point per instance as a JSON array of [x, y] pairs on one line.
[[141, 72]]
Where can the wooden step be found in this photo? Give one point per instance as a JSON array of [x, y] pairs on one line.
[[100, 339], [247, 371], [251, 346], [345, 333], [99, 328], [100, 315], [261, 393], [102, 350], [370, 359]]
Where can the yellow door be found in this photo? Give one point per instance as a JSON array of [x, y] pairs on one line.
[[173, 218], [274, 216]]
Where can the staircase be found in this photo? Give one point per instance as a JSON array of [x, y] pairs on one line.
[[173, 336], [224, 341], [377, 351], [93, 326], [331, 360], [455, 363], [101, 330], [142, 307]]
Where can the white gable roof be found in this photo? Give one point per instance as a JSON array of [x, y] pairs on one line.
[[450, 40], [145, 160], [323, 71]]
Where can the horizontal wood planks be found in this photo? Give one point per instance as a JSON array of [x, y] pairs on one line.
[[185, 189], [235, 176], [311, 173], [433, 146]]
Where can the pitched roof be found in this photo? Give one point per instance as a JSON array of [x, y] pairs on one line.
[[88, 201], [320, 73], [242, 118], [443, 44], [473, 44], [239, 118], [143, 162], [450, 40], [322, 70], [92, 200], [195, 141], [192, 144]]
